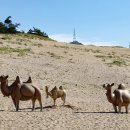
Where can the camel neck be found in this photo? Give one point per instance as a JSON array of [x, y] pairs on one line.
[[109, 96], [48, 93], [5, 89]]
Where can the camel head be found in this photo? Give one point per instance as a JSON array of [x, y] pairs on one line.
[[108, 86], [50, 93], [3, 79]]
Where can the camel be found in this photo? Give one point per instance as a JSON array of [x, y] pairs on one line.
[[20, 91], [120, 97], [56, 93]]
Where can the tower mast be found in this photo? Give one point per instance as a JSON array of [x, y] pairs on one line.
[[74, 36]]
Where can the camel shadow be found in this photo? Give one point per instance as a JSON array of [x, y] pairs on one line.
[[2, 110], [49, 106], [29, 109], [101, 112]]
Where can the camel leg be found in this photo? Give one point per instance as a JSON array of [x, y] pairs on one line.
[[115, 108], [63, 99], [40, 102], [17, 105], [54, 102], [14, 103], [33, 104], [119, 107], [126, 107]]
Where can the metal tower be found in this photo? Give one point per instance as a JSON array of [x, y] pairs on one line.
[[74, 36]]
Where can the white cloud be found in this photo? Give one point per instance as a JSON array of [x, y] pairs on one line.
[[62, 37], [69, 38], [110, 43]]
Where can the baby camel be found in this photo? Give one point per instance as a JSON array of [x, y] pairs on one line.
[[56, 93], [120, 97]]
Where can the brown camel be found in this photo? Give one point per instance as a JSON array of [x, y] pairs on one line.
[[120, 97], [56, 93], [20, 91]]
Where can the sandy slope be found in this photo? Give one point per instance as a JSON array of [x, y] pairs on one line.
[[80, 69]]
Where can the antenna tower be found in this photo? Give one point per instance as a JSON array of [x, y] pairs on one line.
[[74, 36]]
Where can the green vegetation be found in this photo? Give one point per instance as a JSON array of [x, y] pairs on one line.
[[20, 51], [38, 32], [92, 50], [8, 27], [54, 55], [118, 61], [113, 60]]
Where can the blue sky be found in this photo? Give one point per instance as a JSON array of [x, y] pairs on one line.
[[99, 22]]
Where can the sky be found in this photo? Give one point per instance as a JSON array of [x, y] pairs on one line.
[[97, 22]]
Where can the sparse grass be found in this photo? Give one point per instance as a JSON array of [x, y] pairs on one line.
[[65, 52], [38, 44], [118, 61], [32, 36], [58, 46], [6, 37], [78, 48], [54, 55], [117, 47], [71, 61], [92, 50], [112, 60], [24, 42], [1, 42], [20, 51]]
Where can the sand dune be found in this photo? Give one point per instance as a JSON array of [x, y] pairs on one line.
[[81, 70]]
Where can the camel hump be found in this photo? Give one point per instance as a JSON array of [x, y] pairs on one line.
[[17, 79], [27, 90], [55, 88], [29, 80], [121, 86], [61, 88]]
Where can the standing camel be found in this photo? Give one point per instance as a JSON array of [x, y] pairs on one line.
[[120, 97], [56, 93], [20, 91]]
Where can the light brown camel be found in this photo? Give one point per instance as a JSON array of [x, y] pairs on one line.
[[120, 97], [56, 93], [20, 91]]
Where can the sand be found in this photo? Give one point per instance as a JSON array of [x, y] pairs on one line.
[[81, 70]]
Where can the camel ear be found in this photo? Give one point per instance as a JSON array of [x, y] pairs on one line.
[[103, 85], [6, 76], [112, 84]]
